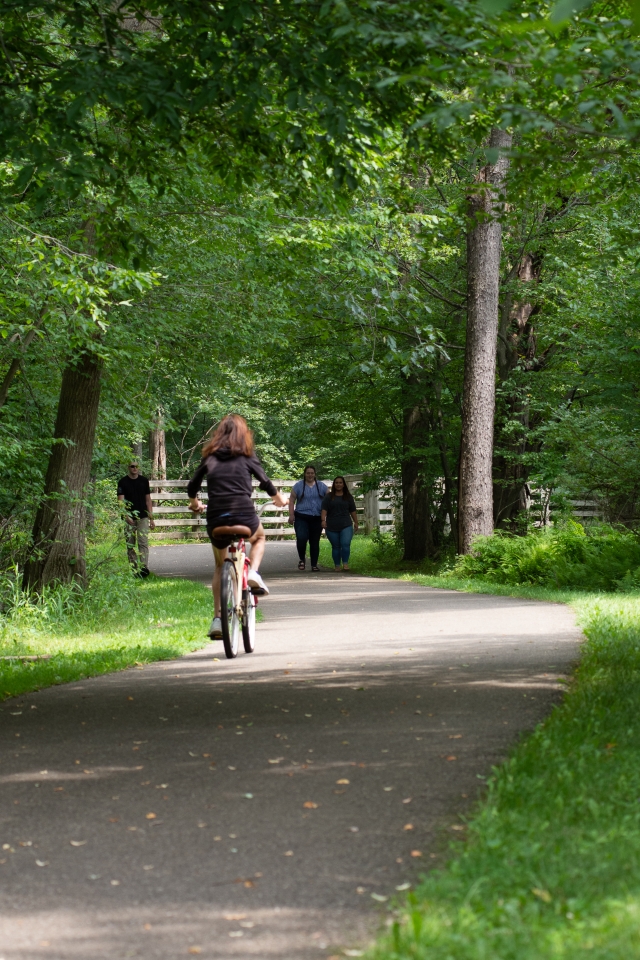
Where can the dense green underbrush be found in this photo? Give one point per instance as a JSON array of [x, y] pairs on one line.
[[566, 555], [110, 592]]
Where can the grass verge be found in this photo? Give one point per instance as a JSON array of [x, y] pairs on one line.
[[550, 867], [167, 618]]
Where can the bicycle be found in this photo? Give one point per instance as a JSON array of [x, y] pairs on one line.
[[237, 602]]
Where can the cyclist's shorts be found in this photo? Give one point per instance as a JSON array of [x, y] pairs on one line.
[[249, 519]]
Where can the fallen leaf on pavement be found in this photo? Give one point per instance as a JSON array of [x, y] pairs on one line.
[[42, 863], [343, 781], [455, 736], [77, 843], [151, 816], [407, 800], [380, 899], [235, 916], [457, 826], [288, 853], [310, 805], [452, 758], [416, 853], [195, 949], [277, 760], [408, 826], [249, 883]]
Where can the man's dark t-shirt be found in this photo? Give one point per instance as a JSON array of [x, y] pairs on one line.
[[135, 495]]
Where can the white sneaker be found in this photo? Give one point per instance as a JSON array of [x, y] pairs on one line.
[[215, 630], [257, 584]]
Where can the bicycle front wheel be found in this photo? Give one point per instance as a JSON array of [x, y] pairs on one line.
[[248, 621], [229, 610]]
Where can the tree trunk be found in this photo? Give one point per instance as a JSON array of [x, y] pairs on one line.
[[484, 247], [136, 450], [59, 529], [16, 362], [416, 520], [158, 449]]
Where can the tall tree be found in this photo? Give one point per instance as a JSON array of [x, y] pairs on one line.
[[484, 249], [158, 448], [58, 532]]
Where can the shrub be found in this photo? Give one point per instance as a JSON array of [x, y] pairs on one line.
[[600, 557], [110, 590]]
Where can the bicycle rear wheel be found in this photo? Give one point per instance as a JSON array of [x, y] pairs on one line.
[[248, 621], [228, 610]]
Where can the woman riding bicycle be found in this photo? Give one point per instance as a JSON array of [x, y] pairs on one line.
[[229, 463]]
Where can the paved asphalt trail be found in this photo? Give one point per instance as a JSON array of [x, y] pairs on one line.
[[251, 808]]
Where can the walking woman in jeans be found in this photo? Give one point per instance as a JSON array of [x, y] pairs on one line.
[[307, 495], [340, 520]]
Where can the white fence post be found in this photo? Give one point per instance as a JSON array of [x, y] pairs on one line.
[[371, 511]]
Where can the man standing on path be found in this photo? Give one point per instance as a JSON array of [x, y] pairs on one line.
[[135, 492]]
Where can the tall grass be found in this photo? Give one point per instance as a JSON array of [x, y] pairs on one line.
[[109, 593]]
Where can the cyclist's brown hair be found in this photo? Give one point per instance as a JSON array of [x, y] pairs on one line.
[[345, 492], [232, 433]]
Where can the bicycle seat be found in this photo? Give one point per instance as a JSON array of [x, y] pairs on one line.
[[234, 531]]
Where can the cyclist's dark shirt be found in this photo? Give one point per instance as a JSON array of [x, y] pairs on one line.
[[134, 491], [229, 484], [338, 511]]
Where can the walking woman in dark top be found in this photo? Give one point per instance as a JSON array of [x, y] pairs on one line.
[[229, 463], [340, 520]]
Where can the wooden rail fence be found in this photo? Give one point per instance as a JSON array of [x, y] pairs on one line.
[[174, 520]]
